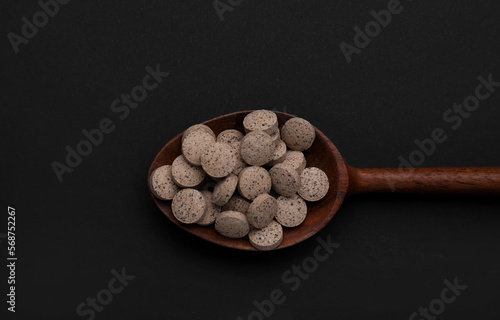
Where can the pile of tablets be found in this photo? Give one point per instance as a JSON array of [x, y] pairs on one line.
[[248, 199]]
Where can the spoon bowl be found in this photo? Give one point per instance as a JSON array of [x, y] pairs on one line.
[[322, 154]]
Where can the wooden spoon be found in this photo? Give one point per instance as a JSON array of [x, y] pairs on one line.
[[344, 181]]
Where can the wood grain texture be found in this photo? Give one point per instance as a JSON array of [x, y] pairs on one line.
[[477, 181]]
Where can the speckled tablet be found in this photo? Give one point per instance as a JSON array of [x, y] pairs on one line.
[[263, 120], [285, 179], [237, 203], [296, 159], [218, 160], [185, 174], [231, 136], [188, 206], [254, 181], [262, 211], [211, 210], [267, 238], [257, 148], [161, 183], [298, 134], [314, 184], [195, 144], [276, 136], [232, 224], [197, 127], [291, 211], [240, 164], [224, 189], [279, 154]]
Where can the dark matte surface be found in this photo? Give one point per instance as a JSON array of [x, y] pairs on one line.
[[395, 251]]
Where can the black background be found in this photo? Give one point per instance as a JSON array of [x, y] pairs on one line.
[[395, 251]]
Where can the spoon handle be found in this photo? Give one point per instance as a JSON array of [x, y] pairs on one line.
[[479, 180]]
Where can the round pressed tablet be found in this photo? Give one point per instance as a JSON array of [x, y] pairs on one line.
[[161, 183], [211, 210], [285, 179], [263, 120], [291, 211], [185, 174], [254, 181], [279, 154], [197, 127], [267, 238], [296, 159], [236, 203], [276, 136], [224, 189], [240, 164], [195, 144], [298, 134], [262, 211], [257, 148], [231, 136], [218, 160], [188, 206], [232, 224], [313, 184]]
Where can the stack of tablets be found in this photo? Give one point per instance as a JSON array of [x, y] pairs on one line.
[[248, 199]]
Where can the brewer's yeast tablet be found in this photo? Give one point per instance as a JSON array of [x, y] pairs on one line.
[[195, 144], [237, 203], [232, 224], [196, 127], [161, 183], [188, 206], [257, 148], [298, 134], [263, 120], [285, 179], [218, 160], [262, 211], [276, 136], [254, 181], [314, 184], [279, 154], [291, 211], [267, 238], [240, 164], [296, 159], [211, 210], [185, 174], [224, 189], [231, 136]]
